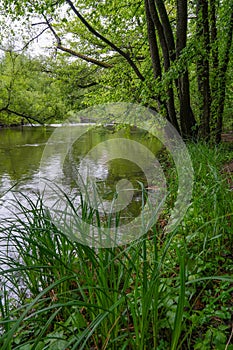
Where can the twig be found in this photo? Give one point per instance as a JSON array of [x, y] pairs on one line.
[[229, 340], [34, 38], [58, 39]]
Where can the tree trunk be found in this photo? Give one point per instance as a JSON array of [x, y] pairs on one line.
[[214, 66], [222, 79], [203, 71], [187, 120], [166, 59], [154, 51], [166, 28]]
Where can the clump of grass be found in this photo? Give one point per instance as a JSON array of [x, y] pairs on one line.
[[161, 291], [89, 298]]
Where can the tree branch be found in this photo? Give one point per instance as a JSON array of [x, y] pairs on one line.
[[22, 115], [34, 38], [28, 43], [84, 57], [108, 42], [75, 53], [58, 39], [87, 85]]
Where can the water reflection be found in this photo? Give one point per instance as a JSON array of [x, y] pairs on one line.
[[21, 150]]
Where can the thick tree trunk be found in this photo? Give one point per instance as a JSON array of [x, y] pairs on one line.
[[214, 65], [187, 120], [222, 79], [203, 71], [166, 59], [154, 51], [167, 28]]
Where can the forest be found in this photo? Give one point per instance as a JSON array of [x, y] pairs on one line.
[[173, 58], [166, 289]]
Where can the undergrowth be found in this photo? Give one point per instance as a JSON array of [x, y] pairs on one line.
[[163, 291]]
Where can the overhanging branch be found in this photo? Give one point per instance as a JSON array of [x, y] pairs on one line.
[[108, 42], [34, 38], [75, 53], [27, 44], [84, 57], [87, 85], [22, 115]]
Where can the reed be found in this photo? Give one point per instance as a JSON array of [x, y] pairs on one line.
[[158, 292]]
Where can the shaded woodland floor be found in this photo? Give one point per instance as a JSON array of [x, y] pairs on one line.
[[228, 167]]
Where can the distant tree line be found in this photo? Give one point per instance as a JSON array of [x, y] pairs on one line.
[[175, 57]]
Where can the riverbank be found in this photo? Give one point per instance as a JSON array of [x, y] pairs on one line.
[[164, 291]]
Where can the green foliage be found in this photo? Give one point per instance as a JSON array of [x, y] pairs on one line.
[[115, 34], [161, 291], [29, 88]]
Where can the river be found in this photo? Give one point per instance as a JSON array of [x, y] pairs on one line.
[[29, 153]]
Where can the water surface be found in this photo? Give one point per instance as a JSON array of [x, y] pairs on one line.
[[21, 151]]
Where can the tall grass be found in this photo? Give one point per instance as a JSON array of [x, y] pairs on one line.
[[150, 294]]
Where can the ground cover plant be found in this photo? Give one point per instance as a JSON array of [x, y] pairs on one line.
[[163, 291]]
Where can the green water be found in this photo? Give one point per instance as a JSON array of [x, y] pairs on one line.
[[21, 151]]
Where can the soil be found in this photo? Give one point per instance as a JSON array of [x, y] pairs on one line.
[[228, 171], [227, 136]]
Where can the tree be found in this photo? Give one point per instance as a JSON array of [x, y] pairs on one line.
[[29, 91], [152, 61], [203, 71], [222, 70]]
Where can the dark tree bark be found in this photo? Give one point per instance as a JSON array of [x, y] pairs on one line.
[[187, 120], [203, 71], [169, 36], [162, 39], [214, 65], [154, 51], [84, 57], [222, 79], [72, 52], [167, 28], [22, 115], [166, 59]]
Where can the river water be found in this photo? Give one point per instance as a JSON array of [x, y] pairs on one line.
[[28, 154], [33, 157]]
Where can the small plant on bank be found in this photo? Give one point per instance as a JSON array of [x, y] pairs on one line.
[[162, 291]]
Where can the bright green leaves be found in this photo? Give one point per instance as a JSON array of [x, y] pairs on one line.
[[18, 8], [108, 40], [28, 89]]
